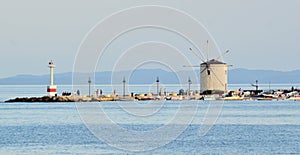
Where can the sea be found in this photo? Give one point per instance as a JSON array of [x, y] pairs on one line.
[[157, 127]]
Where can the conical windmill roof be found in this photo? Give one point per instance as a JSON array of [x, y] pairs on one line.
[[213, 61]]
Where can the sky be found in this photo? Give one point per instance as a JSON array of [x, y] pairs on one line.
[[261, 34]]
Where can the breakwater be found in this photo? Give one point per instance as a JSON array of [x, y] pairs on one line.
[[32, 91], [72, 98]]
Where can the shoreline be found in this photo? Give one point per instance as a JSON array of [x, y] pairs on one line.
[[74, 98], [292, 94]]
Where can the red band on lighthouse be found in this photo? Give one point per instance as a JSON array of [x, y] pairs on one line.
[[51, 89]]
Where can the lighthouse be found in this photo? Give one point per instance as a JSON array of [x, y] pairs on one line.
[[51, 89]]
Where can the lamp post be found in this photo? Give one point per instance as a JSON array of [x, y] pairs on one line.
[[124, 82], [256, 86], [190, 82], [157, 85], [89, 86]]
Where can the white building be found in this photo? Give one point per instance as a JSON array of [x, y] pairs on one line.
[[213, 76]]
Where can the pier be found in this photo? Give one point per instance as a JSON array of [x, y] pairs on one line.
[[270, 95]]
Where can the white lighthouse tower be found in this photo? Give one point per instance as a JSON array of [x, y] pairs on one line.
[[51, 89]]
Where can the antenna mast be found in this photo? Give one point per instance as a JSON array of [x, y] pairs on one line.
[[207, 54]]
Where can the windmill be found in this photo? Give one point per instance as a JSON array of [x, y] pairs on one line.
[[213, 74]]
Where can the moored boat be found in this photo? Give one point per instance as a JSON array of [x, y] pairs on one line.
[[295, 98], [234, 98]]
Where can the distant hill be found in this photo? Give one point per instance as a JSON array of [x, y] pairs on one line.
[[148, 76], [245, 76]]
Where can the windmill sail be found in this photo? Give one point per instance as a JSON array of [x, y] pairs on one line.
[[213, 73]]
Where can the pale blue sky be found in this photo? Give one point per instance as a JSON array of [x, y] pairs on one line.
[[261, 34]]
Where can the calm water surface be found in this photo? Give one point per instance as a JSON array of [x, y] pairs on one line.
[[244, 127]]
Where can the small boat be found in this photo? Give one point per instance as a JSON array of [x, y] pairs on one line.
[[209, 98], [295, 98], [128, 99], [234, 98], [177, 98], [213, 97], [168, 98], [264, 99], [103, 99], [267, 95], [147, 98]]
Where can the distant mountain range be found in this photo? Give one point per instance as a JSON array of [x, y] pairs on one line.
[[148, 76]]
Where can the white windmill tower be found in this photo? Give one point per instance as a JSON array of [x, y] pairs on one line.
[[213, 74]]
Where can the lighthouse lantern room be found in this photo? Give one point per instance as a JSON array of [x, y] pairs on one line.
[[51, 89]]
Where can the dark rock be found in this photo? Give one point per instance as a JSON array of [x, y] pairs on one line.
[[41, 99]]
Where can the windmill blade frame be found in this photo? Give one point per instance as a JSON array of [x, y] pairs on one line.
[[190, 66], [222, 55], [197, 55], [203, 70]]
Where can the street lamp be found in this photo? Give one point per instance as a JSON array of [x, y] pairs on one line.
[[190, 82], [157, 84], [256, 86], [124, 82], [89, 86]]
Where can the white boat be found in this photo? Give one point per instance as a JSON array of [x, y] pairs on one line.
[[211, 97], [233, 96]]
